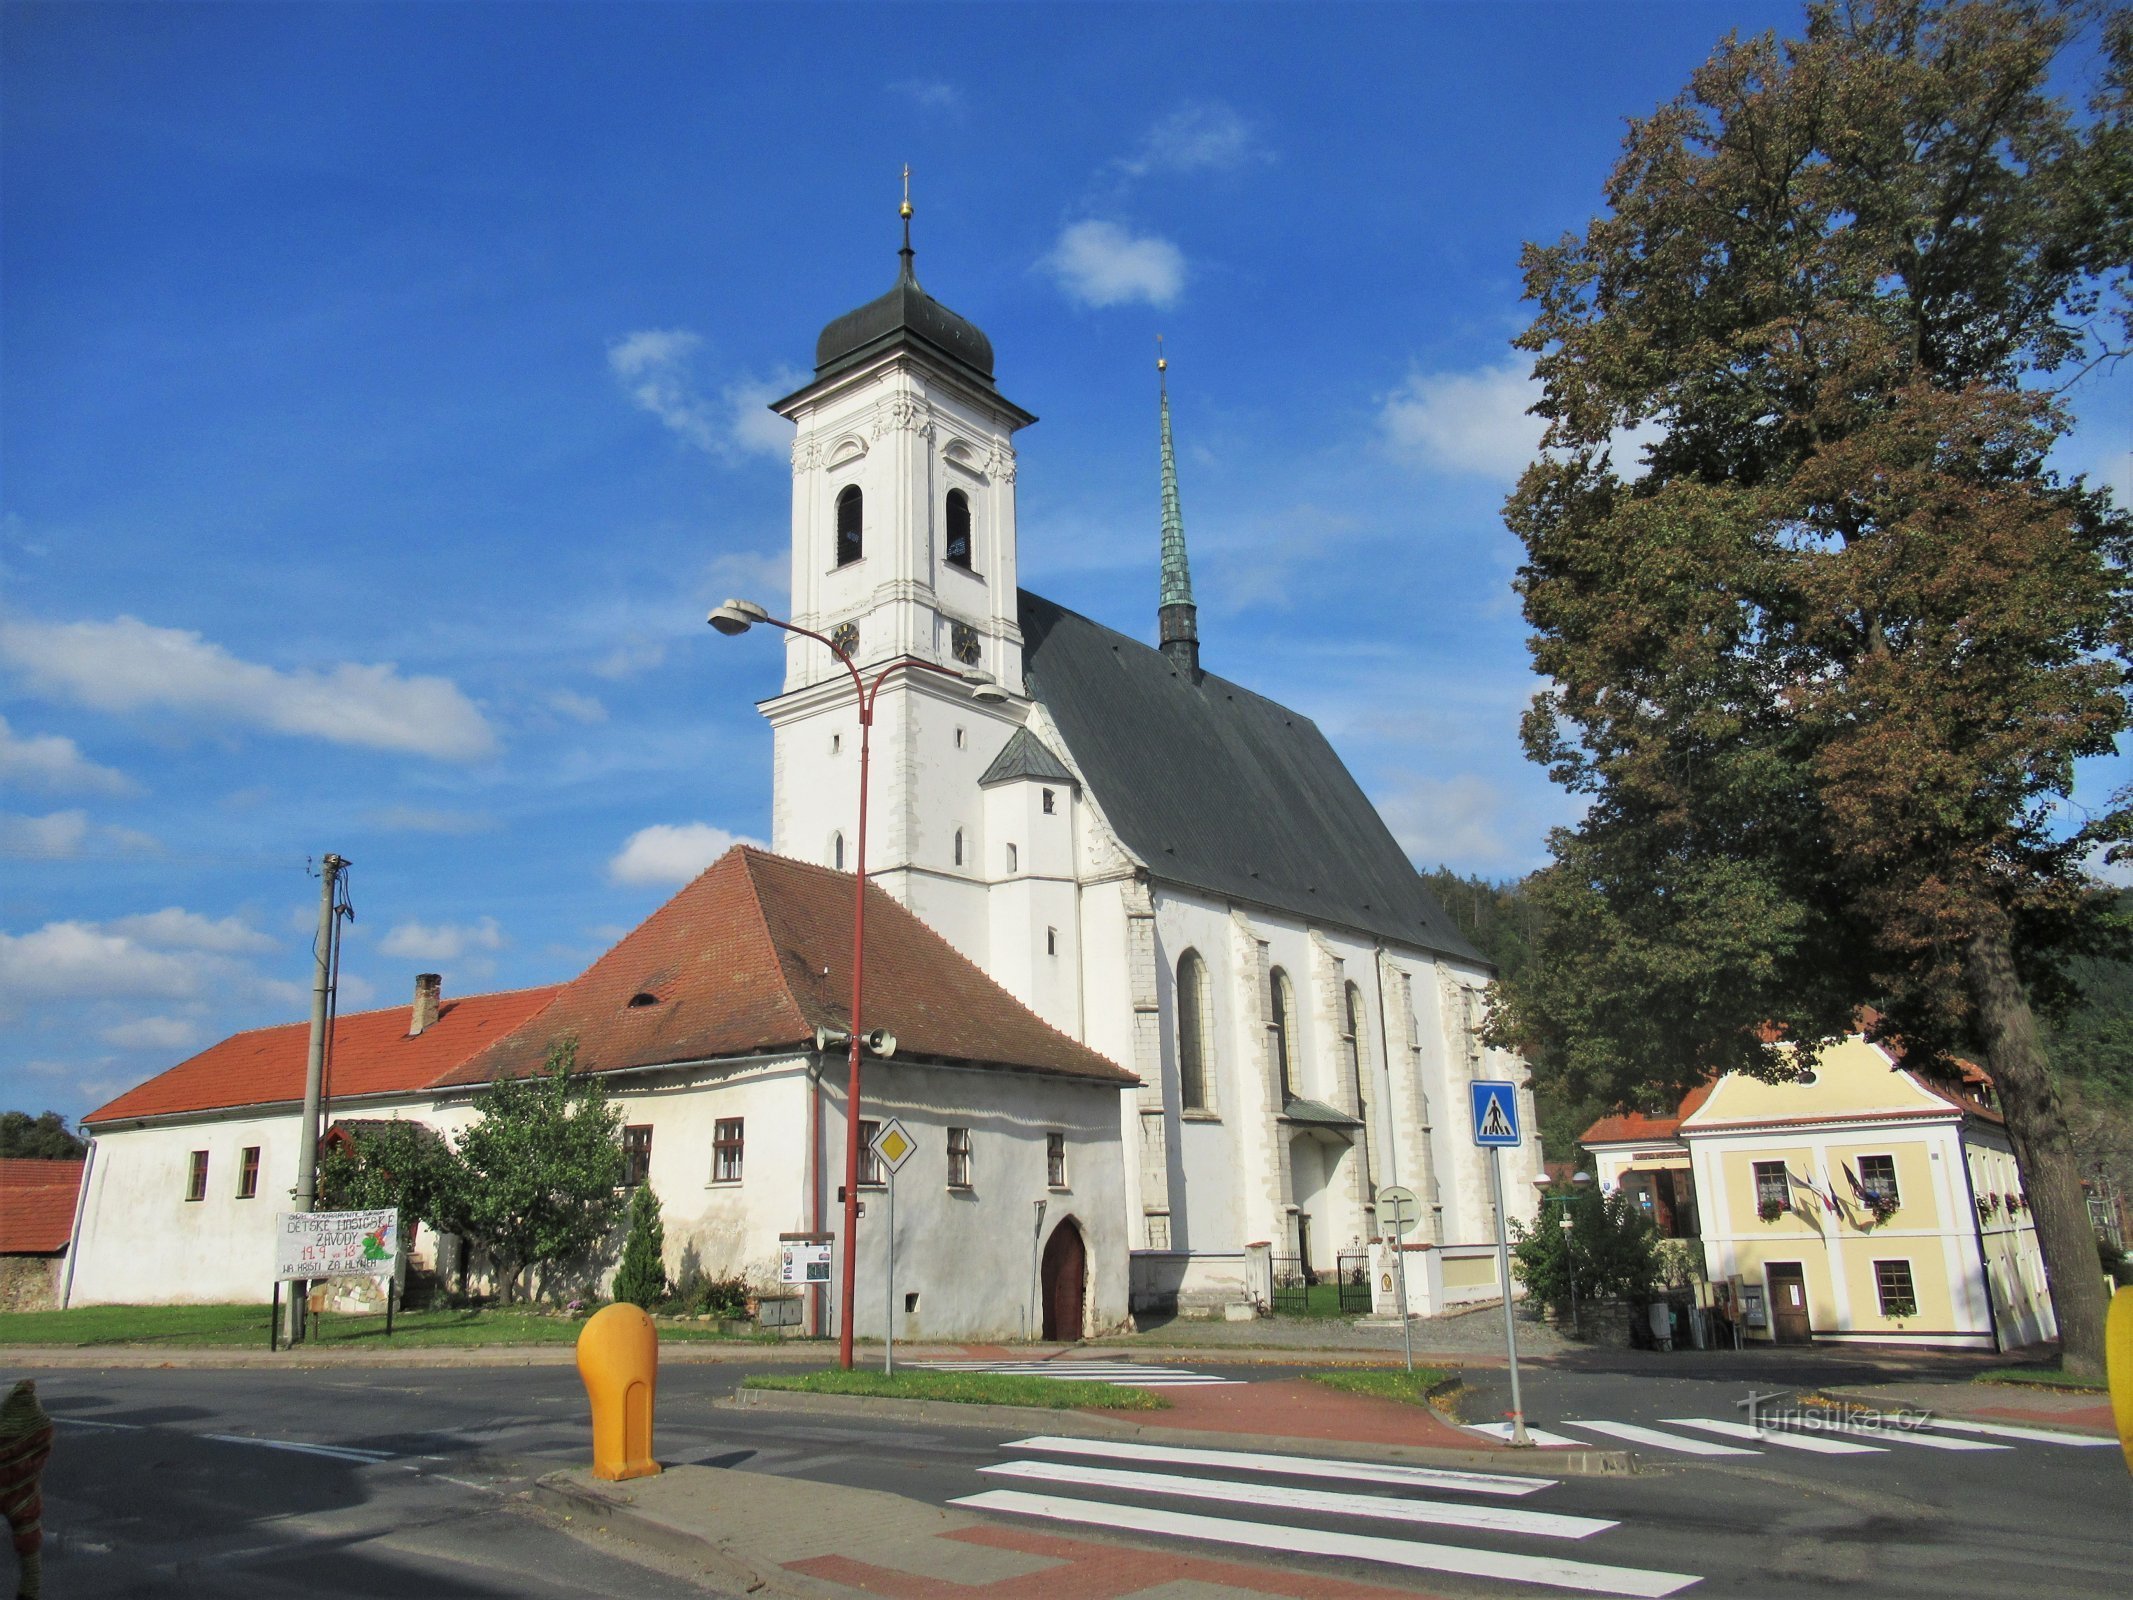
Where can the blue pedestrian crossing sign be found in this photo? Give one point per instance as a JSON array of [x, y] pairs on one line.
[[1495, 1113]]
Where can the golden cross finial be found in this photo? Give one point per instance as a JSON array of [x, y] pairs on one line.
[[907, 190]]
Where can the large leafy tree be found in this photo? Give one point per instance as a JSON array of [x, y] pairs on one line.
[[536, 1178], [44, 1138], [1825, 666]]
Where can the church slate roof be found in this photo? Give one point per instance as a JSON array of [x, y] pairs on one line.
[[906, 315], [1219, 789], [1025, 756]]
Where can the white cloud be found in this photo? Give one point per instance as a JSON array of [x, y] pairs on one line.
[[167, 1035], [577, 707], [931, 94], [1466, 422], [627, 660], [1102, 264], [443, 941], [656, 368], [169, 955], [1205, 136], [671, 853], [427, 819], [1457, 822], [55, 765], [130, 665], [174, 928], [751, 574], [67, 836]]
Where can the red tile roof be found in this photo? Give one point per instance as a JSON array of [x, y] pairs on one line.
[[1634, 1127], [755, 955], [37, 1205], [372, 1054]]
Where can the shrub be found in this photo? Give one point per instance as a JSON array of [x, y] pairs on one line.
[[642, 1277]]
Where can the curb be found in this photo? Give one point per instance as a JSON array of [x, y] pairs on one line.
[[613, 1507], [1092, 1424], [1872, 1403], [208, 1358]]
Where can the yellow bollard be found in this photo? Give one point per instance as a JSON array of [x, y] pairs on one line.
[[618, 1357], [2118, 1367]]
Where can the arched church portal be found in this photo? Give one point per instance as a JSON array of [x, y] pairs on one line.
[[1065, 1277]]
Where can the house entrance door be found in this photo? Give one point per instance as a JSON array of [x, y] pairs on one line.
[[1788, 1303], [1065, 1274]]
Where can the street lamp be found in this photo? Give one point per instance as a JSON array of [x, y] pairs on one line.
[[737, 617], [1578, 1181]]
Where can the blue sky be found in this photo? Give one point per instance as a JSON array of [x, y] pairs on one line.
[[382, 411]]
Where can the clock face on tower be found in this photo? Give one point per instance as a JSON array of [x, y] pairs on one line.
[[844, 639], [963, 640]]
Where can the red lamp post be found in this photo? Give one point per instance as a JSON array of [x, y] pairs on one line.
[[736, 617]]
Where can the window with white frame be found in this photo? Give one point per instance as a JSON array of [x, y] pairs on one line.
[[958, 1158], [1877, 1176], [1055, 1160], [727, 1148], [1772, 1186], [870, 1169]]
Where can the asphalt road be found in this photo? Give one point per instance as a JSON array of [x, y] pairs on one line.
[[408, 1482]]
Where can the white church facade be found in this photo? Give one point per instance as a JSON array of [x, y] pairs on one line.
[[1160, 972], [1156, 860]]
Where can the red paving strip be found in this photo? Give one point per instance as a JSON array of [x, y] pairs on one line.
[[989, 1352], [1087, 1571], [1296, 1408], [2085, 1419]]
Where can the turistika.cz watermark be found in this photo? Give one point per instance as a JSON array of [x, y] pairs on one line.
[[1814, 1414]]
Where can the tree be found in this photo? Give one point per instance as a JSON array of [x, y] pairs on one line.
[[43, 1138], [1824, 668], [534, 1179], [405, 1165], [641, 1279], [1611, 1243]]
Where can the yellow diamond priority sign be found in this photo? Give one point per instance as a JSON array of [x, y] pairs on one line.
[[893, 1145]]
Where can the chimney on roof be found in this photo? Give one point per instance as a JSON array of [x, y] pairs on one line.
[[429, 990]]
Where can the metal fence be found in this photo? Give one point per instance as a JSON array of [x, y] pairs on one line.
[[1354, 1285], [1290, 1290]]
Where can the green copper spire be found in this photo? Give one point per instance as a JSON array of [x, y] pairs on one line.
[[1177, 615]]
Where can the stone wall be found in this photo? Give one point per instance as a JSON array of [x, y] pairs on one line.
[[30, 1283]]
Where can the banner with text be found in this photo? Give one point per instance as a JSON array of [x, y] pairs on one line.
[[336, 1244]]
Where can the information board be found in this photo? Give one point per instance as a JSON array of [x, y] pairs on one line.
[[336, 1244]]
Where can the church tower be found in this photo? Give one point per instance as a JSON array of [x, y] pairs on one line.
[[903, 548], [1178, 619]]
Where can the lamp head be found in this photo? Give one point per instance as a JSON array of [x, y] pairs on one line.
[[737, 616], [1543, 1182], [1582, 1179], [984, 688]]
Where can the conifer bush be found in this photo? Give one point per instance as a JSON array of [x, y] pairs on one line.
[[642, 1277]]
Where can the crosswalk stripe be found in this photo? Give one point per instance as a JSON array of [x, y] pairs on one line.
[[1814, 1443], [1384, 1472], [1540, 1436], [1587, 1577], [2000, 1430], [1327, 1502], [332, 1452], [1661, 1441], [1901, 1436]]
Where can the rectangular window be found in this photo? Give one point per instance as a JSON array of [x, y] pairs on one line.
[[1051, 941], [870, 1172], [1892, 1281], [1047, 802], [196, 1185], [958, 1158], [726, 1150], [1014, 859], [1055, 1160], [1771, 1184], [1877, 1176], [248, 1173], [636, 1154]]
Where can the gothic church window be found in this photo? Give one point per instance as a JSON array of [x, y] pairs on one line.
[[1195, 1030], [1284, 1043], [837, 851], [958, 529], [959, 847], [1357, 1052], [849, 541]]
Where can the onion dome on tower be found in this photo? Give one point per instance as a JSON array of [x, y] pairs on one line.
[[905, 317]]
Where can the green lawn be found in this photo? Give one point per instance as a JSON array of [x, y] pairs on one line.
[[1385, 1383], [195, 1327], [965, 1388], [1320, 1300], [2039, 1378]]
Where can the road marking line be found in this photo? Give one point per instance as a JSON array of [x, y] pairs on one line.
[[1589, 1577], [91, 1422], [1288, 1466], [1329, 1502], [2001, 1430], [1901, 1436], [333, 1452], [1778, 1436], [1540, 1436], [1661, 1441]]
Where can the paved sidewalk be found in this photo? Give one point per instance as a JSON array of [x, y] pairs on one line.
[[2077, 1411], [793, 1537]]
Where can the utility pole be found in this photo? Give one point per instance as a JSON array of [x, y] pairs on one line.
[[306, 1196]]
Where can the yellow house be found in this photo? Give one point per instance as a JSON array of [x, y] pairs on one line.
[[1862, 1202]]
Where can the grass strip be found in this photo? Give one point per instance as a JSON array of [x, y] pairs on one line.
[[238, 1326], [2039, 1378], [1382, 1383], [964, 1388]]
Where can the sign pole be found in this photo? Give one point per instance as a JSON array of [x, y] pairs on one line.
[[888, 1331], [1519, 1437], [1399, 1284]]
